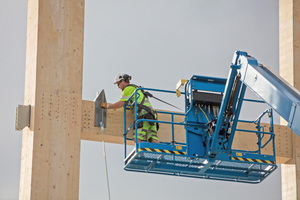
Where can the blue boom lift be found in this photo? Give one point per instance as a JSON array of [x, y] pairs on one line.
[[212, 109]]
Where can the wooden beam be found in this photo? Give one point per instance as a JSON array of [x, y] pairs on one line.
[[289, 69], [115, 129], [113, 133], [53, 88]]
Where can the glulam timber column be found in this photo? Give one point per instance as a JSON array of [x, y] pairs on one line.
[[53, 87], [289, 69]]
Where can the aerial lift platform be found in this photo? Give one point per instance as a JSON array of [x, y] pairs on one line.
[[212, 109]]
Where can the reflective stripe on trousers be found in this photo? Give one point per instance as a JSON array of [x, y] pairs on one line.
[[147, 131]]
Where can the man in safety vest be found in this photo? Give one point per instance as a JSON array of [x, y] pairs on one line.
[[145, 129]]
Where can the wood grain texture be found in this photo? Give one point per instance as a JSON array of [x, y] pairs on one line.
[[53, 87], [115, 129], [289, 69]]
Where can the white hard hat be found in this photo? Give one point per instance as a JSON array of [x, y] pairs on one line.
[[122, 76]]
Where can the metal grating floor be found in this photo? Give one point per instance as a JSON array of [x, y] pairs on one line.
[[181, 165]]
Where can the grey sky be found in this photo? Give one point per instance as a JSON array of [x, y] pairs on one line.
[[157, 42]]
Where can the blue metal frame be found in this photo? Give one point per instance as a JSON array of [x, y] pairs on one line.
[[211, 125], [222, 114], [172, 158]]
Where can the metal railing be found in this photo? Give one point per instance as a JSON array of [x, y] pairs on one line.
[[260, 132], [136, 121]]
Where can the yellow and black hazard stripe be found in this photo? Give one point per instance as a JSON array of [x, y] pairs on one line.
[[253, 160], [163, 151]]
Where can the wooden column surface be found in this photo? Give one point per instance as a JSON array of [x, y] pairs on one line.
[[53, 87], [115, 129], [289, 69]]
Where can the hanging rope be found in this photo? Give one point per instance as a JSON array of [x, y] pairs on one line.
[[105, 161]]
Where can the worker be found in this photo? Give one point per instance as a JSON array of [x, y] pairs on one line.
[[145, 130]]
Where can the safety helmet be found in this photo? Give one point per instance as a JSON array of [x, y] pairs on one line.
[[122, 76]]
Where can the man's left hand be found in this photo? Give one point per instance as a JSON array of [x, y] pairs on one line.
[[103, 105]]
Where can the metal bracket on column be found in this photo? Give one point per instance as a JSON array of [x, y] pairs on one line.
[[22, 117], [100, 113], [294, 118]]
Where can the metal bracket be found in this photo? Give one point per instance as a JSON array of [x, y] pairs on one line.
[[294, 118], [100, 113], [292, 113], [22, 117]]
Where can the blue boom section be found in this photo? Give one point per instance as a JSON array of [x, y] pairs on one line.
[[275, 91], [246, 72]]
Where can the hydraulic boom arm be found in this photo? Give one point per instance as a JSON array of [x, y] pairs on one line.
[[246, 72], [275, 91]]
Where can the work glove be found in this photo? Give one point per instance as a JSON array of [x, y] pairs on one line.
[[103, 105]]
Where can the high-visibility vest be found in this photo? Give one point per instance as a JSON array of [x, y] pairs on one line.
[[143, 104]]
